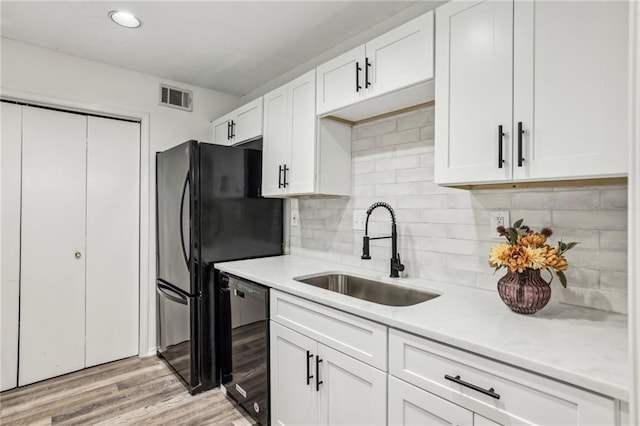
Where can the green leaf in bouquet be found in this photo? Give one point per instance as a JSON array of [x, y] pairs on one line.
[[562, 277], [518, 223]]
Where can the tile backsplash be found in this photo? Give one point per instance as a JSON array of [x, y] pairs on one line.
[[444, 233]]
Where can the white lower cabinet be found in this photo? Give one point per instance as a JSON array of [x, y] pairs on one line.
[[312, 383], [500, 393], [314, 378], [409, 405]]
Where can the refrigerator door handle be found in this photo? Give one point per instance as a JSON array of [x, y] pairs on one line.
[[172, 294], [184, 250]]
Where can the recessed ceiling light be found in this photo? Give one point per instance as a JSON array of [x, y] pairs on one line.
[[124, 18]]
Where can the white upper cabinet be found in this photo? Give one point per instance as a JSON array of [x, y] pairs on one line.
[[240, 125], [473, 90], [524, 99], [571, 88], [398, 59], [302, 154]]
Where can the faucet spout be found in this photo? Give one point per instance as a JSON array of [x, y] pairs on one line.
[[396, 265]]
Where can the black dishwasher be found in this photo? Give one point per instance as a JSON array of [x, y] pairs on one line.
[[244, 308]]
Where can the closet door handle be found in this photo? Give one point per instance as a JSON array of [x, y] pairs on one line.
[[500, 153], [318, 381], [280, 177], [520, 132], [358, 69], [491, 392], [367, 64], [309, 375]]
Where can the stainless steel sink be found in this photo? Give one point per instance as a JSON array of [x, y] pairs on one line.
[[370, 290]]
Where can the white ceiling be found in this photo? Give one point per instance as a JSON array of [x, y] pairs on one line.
[[230, 46]]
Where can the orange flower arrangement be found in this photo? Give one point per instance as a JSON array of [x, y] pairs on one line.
[[526, 249]]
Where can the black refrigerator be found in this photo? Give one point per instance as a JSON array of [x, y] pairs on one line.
[[209, 209]]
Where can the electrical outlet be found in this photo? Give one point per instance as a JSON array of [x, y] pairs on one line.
[[359, 217], [295, 218], [496, 219]]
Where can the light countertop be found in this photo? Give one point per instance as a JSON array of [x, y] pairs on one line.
[[580, 346]]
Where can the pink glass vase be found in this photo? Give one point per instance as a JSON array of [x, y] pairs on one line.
[[524, 293]]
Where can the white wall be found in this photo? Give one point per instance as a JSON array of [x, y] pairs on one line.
[[443, 233], [35, 73]]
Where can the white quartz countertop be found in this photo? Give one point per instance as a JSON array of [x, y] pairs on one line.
[[580, 346]]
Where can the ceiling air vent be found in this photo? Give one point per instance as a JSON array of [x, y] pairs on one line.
[[176, 98]]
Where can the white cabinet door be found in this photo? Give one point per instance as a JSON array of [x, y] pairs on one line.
[[10, 249], [113, 157], [247, 123], [401, 57], [340, 81], [350, 392], [222, 131], [301, 176], [473, 91], [409, 405], [276, 144], [571, 88], [52, 273], [293, 392]]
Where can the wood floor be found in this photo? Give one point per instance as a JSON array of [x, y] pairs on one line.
[[134, 391]]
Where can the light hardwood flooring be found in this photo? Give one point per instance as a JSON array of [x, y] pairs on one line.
[[133, 391]]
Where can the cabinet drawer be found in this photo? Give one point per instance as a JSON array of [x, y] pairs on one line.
[[524, 398], [354, 336]]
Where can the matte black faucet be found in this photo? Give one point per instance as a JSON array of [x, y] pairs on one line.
[[396, 266]]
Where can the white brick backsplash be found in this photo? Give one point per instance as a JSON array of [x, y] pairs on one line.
[[374, 128], [415, 175], [414, 120], [591, 219], [554, 200], [613, 198], [388, 176], [391, 139], [443, 233], [397, 163], [363, 144], [613, 240], [420, 202]]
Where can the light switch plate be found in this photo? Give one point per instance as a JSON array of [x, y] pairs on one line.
[[359, 218], [498, 218], [295, 218]]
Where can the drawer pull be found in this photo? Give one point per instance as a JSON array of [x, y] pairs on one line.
[[457, 380]]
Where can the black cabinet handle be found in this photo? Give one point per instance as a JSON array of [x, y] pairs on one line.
[[309, 375], [285, 170], [367, 64], [500, 136], [228, 130], [318, 381], [491, 392], [520, 132], [279, 176], [233, 129], [358, 69]]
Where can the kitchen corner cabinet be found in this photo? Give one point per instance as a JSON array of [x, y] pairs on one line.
[[531, 91], [399, 58], [241, 125], [312, 382], [302, 154]]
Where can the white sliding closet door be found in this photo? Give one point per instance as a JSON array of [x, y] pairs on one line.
[[10, 249], [112, 239], [52, 301]]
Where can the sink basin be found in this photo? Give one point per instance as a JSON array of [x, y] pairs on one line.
[[369, 290]]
